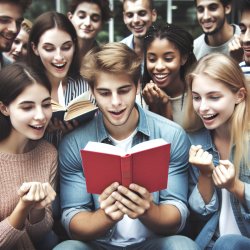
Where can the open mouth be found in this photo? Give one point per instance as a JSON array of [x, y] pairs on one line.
[[37, 127], [209, 117], [59, 65], [117, 112]]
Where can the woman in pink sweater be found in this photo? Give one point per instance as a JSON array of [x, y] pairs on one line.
[[28, 165]]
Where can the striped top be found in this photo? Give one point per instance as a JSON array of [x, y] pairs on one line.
[[74, 88], [245, 68]]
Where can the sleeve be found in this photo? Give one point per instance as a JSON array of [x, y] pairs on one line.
[[9, 235], [74, 195], [36, 231], [195, 200], [177, 190]]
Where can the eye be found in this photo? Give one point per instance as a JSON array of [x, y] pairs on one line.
[[66, 47], [213, 7], [129, 15], [49, 48], [214, 97], [17, 41], [200, 9], [5, 20], [196, 97], [151, 58], [104, 93], [95, 18], [82, 15], [47, 105], [169, 59], [142, 13], [123, 91], [243, 29], [27, 107]]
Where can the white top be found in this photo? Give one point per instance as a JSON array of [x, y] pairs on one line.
[[227, 222], [128, 231]]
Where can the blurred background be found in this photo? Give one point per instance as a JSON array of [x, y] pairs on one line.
[[179, 12]]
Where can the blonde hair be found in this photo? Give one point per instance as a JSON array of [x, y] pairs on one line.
[[224, 69], [26, 25], [113, 58]]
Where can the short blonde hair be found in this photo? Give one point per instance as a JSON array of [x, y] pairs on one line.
[[113, 58]]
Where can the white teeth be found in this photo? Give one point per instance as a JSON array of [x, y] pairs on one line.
[[208, 116], [59, 65], [160, 76]]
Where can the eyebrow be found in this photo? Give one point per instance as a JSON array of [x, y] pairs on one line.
[[31, 102], [83, 12], [122, 87]]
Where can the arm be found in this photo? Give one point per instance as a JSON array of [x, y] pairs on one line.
[[203, 161]]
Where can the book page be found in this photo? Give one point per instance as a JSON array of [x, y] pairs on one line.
[[85, 96], [147, 145], [104, 148]]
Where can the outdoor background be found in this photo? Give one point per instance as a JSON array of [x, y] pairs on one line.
[[179, 12]]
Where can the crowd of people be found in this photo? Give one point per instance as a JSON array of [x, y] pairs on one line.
[[159, 82]]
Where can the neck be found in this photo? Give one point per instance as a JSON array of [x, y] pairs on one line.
[[16, 145], [222, 36], [138, 46]]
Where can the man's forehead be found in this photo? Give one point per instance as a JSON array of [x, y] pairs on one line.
[[11, 10], [134, 6]]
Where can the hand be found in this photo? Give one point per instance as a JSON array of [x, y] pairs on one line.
[[133, 201], [36, 195], [235, 48], [153, 95], [65, 127], [224, 175], [107, 203], [202, 160]]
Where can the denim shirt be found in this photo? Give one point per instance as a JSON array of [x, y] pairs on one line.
[[74, 196], [212, 209]]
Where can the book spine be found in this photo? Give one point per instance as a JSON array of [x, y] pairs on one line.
[[126, 170]]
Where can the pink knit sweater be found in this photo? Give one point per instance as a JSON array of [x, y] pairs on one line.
[[39, 165]]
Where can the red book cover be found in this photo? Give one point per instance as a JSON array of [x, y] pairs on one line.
[[145, 164]]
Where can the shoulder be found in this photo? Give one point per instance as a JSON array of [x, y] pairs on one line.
[[199, 40], [128, 41]]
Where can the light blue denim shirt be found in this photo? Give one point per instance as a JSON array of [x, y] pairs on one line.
[[74, 196], [212, 209]]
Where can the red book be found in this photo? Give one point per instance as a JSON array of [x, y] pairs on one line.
[[145, 164]]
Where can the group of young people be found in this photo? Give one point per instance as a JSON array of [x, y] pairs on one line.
[[200, 107]]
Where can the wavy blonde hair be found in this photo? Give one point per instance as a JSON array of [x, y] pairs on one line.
[[224, 69]]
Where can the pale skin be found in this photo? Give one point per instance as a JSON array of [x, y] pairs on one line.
[[34, 197], [221, 176]]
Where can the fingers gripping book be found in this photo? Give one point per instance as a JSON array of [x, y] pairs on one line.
[[145, 164]]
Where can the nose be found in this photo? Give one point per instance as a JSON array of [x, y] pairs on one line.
[[58, 56], [246, 36], [39, 114], [203, 105], [116, 101], [87, 20], [136, 18], [206, 14], [19, 48], [160, 65], [13, 27]]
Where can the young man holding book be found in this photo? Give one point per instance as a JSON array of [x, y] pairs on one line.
[[122, 217]]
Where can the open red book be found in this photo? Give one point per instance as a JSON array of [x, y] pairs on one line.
[[145, 164]]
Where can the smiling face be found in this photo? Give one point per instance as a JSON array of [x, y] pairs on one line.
[[138, 17], [245, 34], [211, 15], [55, 49], [10, 24], [30, 112], [213, 101], [87, 20], [19, 47], [115, 97], [163, 64]]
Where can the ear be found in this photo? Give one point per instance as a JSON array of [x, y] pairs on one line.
[[184, 59], [154, 15], [69, 15], [228, 9], [4, 109], [34, 48], [240, 95], [138, 88]]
